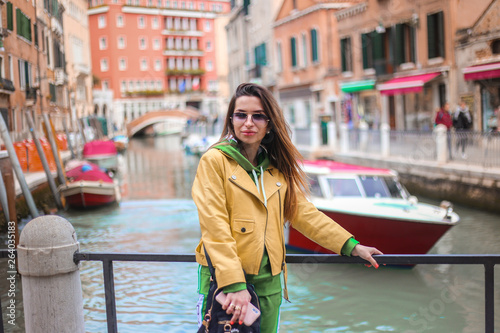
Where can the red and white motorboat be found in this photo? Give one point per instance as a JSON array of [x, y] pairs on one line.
[[373, 205], [88, 186], [102, 153]]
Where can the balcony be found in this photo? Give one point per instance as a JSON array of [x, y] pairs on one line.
[[186, 33], [6, 86], [145, 93], [193, 72], [81, 69], [60, 77], [182, 52], [30, 96]]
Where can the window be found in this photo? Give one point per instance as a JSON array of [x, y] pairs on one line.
[[157, 65], [404, 44], [24, 74], [141, 22], [105, 85], [260, 58], [279, 57], [142, 43], [210, 66], [104, 65], [346, 54], [293, 51], [122, 64], [159, 85], [144, 64], [372, 48], [208, 46], [156, 44], [208, 26], [10, 19], [119, 21], [155, 24], [121, 42], [304, 51], [23, 25], [495, 47], [101, 21], [435, 35], [103, 44], [123, 86], [314, 45], [202, 6]]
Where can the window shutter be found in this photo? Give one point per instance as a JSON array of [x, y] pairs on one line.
[[440, 33], [314, 45], [19, 19], [365, 40], [343, 54], [399, 45], [10, 19], [431, 37], [412, 43], [293, 49]]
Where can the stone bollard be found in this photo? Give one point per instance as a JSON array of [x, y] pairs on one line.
[[52, 290], [344, 138], [385, 139], [441, 143], [315, 134], [363, 136], [332, 136]]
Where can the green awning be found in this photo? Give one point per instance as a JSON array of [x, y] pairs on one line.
[[349, 87]]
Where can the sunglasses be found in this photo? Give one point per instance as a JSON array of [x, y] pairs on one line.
[[257, 118]]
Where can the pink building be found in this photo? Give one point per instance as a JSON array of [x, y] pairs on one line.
[[154, 54]]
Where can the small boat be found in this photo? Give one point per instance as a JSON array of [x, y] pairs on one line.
[[121, 142], [102, 153], [195, 144], [88, 186], [374, 206]]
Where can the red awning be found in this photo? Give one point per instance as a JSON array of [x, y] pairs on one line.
[[405, 85], [482, 72]]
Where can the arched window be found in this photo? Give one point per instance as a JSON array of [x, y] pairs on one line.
[[314, 45]]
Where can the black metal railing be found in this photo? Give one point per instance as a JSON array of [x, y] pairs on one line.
[[487, 260]]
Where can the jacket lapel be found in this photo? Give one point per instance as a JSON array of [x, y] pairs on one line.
[[242, 179]]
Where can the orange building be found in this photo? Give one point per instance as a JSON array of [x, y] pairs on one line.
[[154, 54]]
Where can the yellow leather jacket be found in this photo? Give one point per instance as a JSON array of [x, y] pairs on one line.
[[236, 224]]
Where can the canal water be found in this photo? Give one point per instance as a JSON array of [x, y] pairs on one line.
[[156, 215]]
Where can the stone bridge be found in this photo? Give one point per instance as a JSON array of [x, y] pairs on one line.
[[154, 117]]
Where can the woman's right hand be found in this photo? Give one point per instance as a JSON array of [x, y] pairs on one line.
[[236, 304]]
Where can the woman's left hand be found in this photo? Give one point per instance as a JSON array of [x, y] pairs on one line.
[[366, 253]]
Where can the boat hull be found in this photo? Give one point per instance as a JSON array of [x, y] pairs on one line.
[[89, 194], [391, 236]]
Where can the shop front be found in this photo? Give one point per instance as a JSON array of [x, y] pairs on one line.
[[359, 103], [487, 77], [412, 100]]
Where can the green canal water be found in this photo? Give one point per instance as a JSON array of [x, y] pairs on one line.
[[156, 215]]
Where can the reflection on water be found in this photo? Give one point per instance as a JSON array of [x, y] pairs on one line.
[[158, 216]]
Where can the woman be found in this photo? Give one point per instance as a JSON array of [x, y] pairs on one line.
[[248, 185]]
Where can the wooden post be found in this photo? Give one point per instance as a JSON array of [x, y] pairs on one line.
[[52, 290], [4, 200], [70, 145], [43, 159], [17, 169], [53, 145]]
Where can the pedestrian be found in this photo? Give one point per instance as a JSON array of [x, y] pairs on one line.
[[462, 122], [443, 117], [247, 187]]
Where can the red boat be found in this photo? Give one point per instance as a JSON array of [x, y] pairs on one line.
[[88, 186], [102, 153], [373, 205]]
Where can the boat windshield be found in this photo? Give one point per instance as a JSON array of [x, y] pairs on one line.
[[380, 187], [344, 187], [314, 186]]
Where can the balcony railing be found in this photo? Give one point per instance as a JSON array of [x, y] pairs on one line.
[[198, 71]]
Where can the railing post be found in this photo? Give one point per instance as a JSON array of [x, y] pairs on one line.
[[489, 299], [332, 135], [385, 139], [344, 138], [314, 135], [363, 140], [441, 145], [52, 291]]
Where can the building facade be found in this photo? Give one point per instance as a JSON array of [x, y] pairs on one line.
[[154, 54], [478, 61], [78, 62], [306, 45], [398, 60]]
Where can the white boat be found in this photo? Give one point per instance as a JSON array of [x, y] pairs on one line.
[[373, 205]]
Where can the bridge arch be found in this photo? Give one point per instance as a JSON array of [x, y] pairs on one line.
[[155, 117]]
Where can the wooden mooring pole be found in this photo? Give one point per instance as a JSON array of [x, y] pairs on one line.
[[17, 169], [43, 159], [70, 145], [55, 151]]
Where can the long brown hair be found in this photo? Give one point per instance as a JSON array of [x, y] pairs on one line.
[[282, 153]]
